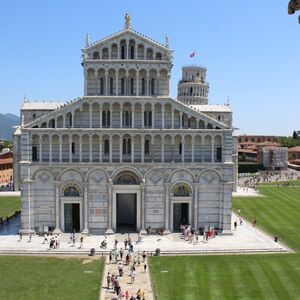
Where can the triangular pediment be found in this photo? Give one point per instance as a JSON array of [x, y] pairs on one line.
[[127, 34]]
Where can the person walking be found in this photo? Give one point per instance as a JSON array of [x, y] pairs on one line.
[[254, 222], [108, 280], [81, 242], [144, 256], [241, 221], [235, 225], [110, 257], [30, 236], [20, 236], [132, 276], [145, 267]]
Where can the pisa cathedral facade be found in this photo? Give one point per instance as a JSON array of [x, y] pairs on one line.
[[126, 155]]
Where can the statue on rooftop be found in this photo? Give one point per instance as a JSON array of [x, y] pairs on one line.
[[127, 21], [87, 41], [293, 6], [167, 41]]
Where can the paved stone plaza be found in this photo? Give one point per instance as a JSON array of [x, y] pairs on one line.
[[246, 239]]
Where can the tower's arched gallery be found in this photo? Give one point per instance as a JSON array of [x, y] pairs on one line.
[[126, 155]]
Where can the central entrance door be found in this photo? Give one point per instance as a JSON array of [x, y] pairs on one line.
[[72, 217], [126, 212], [180, 215]]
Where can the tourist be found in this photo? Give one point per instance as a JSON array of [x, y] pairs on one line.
[[30, 236], [145, 267], [241, 221], [139, 294], [20, 236], [120, 269], [132, 276], [235, 225], [81, 242], [144, 256], [45, 238], [71, 238], [110, 257], [108, 280], [132, 298], [116, 244], [254, 222], [121, 254], [74, 240], [143, 295], [125, 244], [127, 295]]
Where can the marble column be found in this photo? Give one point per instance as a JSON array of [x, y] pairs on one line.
[[60, 148], [167, 208], [85, 208], [50, 148], [143, 149], [80, 148], [100, 116], [57, 208], [121, 150], [100, 148], [91, 149], [41, 149], [70, 148], [110, 149], [132, 149]]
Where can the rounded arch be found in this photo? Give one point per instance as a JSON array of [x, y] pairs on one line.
[[210, 173], [155, 176], [181, 189], [71, 189], [129, 170], [73, 173], [36, 173], [95, 170], [181, 175]]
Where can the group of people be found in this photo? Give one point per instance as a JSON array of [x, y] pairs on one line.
[[267, 177], [132, 261], [191, 236]]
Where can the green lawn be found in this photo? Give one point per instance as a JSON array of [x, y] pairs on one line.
[[8, 205], [227, 277], [277, 213], [49, 278], [241, 276]]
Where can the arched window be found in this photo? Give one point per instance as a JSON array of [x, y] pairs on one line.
[[111, 86], [96, 55], [126, 118], [126, 178], [122, 86], [152, 86], [180, 148], [71, 191], [158, 56], [101, 86], [181, 191], [132, 52], [123, 52], [147, 147], [143, 86], [127, 146], [70, 120], [131, 86], [191, 91], [106, 118], [148, 118], [106, 146]]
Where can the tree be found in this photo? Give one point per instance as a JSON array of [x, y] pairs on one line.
[[295, 135]]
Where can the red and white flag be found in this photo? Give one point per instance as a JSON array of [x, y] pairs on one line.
[[192, 54]]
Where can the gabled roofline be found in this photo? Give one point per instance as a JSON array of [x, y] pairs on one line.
[[129, 30]]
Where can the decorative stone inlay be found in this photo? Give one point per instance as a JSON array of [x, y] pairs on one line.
[[98, 177], [156, 178], [209, 178], [44, 177]]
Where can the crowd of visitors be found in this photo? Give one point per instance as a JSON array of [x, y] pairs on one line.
[[128, 263]]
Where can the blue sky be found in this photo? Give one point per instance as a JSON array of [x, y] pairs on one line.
[[250, 48]]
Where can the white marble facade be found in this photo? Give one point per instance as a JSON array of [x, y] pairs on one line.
[[173, 158]]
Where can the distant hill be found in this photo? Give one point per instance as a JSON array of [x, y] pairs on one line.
[[7, 121]]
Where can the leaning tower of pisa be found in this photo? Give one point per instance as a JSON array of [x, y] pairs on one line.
[[193, 87]]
